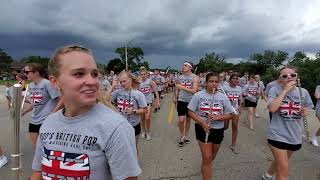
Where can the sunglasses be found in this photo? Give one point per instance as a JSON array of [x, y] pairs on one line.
[[27, 72], [285, 76]]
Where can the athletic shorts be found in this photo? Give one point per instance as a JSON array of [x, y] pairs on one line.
[[34, 128], [137, 129], [182, 108], [248, 103], [284, 146], [215, 136], [159, 92]]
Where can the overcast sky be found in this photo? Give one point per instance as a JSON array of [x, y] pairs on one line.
[[169, 31]]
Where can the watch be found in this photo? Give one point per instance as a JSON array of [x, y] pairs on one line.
[[134, 111]]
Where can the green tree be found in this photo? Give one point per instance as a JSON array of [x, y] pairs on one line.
[[44, 61], [5, 61], [135, 55], [297, 58], [269, 58], [211, 62], [115, 65]]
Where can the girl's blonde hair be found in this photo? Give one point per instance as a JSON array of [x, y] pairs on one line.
[[55, 65], [134, 80]]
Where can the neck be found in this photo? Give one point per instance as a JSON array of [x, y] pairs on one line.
[[37, 80], [72, 111], [210, 90], [187, 73], [233, 85]]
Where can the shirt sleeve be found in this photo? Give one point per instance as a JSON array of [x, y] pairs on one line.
[[36, 164], [114, 95], [142, 101], [121, 153], [272, 95], [228, 108], [53, 92], [307, 99], [194, 103]]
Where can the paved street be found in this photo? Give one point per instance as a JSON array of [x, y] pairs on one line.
[[162, 159]]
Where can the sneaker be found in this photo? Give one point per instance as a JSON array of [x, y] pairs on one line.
[[3, 161], [314, 141], [257, 115], [148, 136], [143, 134], [234, 149], [181, 142], [186, 140], [266, 176]]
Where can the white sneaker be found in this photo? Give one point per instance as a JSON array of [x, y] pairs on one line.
[[257, 115], [148, 137], [266, 176], [143, 134], [3, 161], [314, 141]]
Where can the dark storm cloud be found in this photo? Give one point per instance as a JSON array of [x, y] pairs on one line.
[[168, 31]]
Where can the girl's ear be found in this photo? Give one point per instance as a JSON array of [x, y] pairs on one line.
[[55, 82]]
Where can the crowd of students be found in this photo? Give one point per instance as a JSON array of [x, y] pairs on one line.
[[86, 125]]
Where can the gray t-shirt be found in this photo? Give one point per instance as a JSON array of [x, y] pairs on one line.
[[203, 103], [252, 91], [131, 98], [234, 94], [186, 81], [105, 84], [99, 144], [146, 88], [318, 101], [159, 80], [286, 122], [44, 99], [270, 85]]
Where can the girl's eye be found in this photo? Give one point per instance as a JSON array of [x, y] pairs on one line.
[[78, 74], [95, 75]]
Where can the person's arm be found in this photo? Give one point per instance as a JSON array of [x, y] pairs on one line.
[[36, 175], [317, 93], [194, 88], [27, 109], [154, 89], [277, 101], [221, 117]]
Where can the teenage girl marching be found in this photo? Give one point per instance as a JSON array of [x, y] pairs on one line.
[[285, 129], [209, 108], [147, 87]]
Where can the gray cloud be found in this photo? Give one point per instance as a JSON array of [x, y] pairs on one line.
[[168, 31]]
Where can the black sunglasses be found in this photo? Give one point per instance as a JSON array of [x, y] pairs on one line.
[[284, 76], [27, 72]]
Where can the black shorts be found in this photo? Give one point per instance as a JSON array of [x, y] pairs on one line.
[[215, 136], [182, 108], [284, 146], [137, 129], [248, 103], [34, 128], [159, 92]]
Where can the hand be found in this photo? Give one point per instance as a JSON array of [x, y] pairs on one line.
[[179, 86], [157, 104], [130, 110], [239, 109], [23, 113], [289, 86], [304, 112], [205, 126], [212, 117], [174, 100]]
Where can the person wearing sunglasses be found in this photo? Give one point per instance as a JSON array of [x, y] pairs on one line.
[[285, 129], [314, 138], [44, 98]]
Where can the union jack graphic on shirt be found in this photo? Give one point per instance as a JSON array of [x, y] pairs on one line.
[[123, 104], [187, 84], [253, 90], [36, 97], [145, 90], [216, 108], [290, 110], [233, 97], [63, 165]]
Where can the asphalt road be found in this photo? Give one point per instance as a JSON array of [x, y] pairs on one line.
[[162, 159]]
